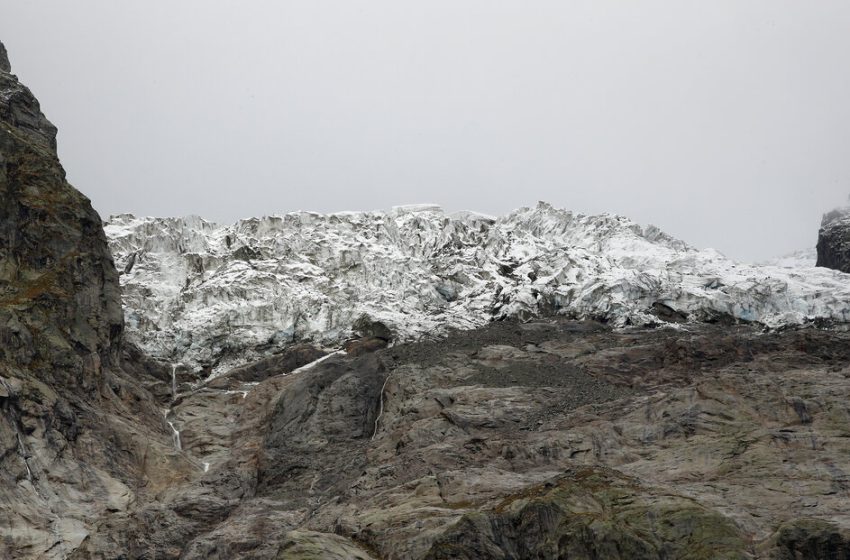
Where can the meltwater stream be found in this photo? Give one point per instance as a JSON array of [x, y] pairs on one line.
[[175, 433], [173, 382]]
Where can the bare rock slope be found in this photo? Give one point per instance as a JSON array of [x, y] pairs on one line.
[[536, 438], [547, 439]]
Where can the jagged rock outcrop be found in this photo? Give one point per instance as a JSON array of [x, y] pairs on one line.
[[834, 240], [73, 438], [58, 282], [4, 60]]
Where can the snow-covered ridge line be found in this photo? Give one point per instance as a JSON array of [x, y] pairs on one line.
[[215, 295]]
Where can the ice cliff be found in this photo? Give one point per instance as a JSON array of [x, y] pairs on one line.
[[214, 296]]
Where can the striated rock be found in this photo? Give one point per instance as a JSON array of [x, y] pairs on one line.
[[308, 545], [315, 434], [833, 248], [520, 440]]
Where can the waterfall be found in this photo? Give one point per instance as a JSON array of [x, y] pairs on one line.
[[25, 456], [175, 435], [381, 407]]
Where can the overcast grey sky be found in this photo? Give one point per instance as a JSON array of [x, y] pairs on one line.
[[726, 123]]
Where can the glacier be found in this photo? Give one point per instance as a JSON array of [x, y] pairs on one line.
[[216, 296]]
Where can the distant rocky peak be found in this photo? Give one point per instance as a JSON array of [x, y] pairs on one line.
[[834, 240], [4, 60]]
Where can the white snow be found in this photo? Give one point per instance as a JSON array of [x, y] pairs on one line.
[[199, 293], [314, 363], [805, 258]]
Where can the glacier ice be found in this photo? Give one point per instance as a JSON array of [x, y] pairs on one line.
[[214, 296]]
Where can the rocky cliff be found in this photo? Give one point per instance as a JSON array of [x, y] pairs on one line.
[[834, 240], [4, 60], [534, 435], [74, 425]]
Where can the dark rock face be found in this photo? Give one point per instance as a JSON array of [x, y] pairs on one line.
[[834, 241], [811, 539], [58, 285], [368, 328], [551, 439], [361, 346], [70, 418], [289, 359], [319, 426], [4, 60]]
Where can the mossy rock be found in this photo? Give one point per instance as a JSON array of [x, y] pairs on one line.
[[311, 545], [593, 514], [810, 539]]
